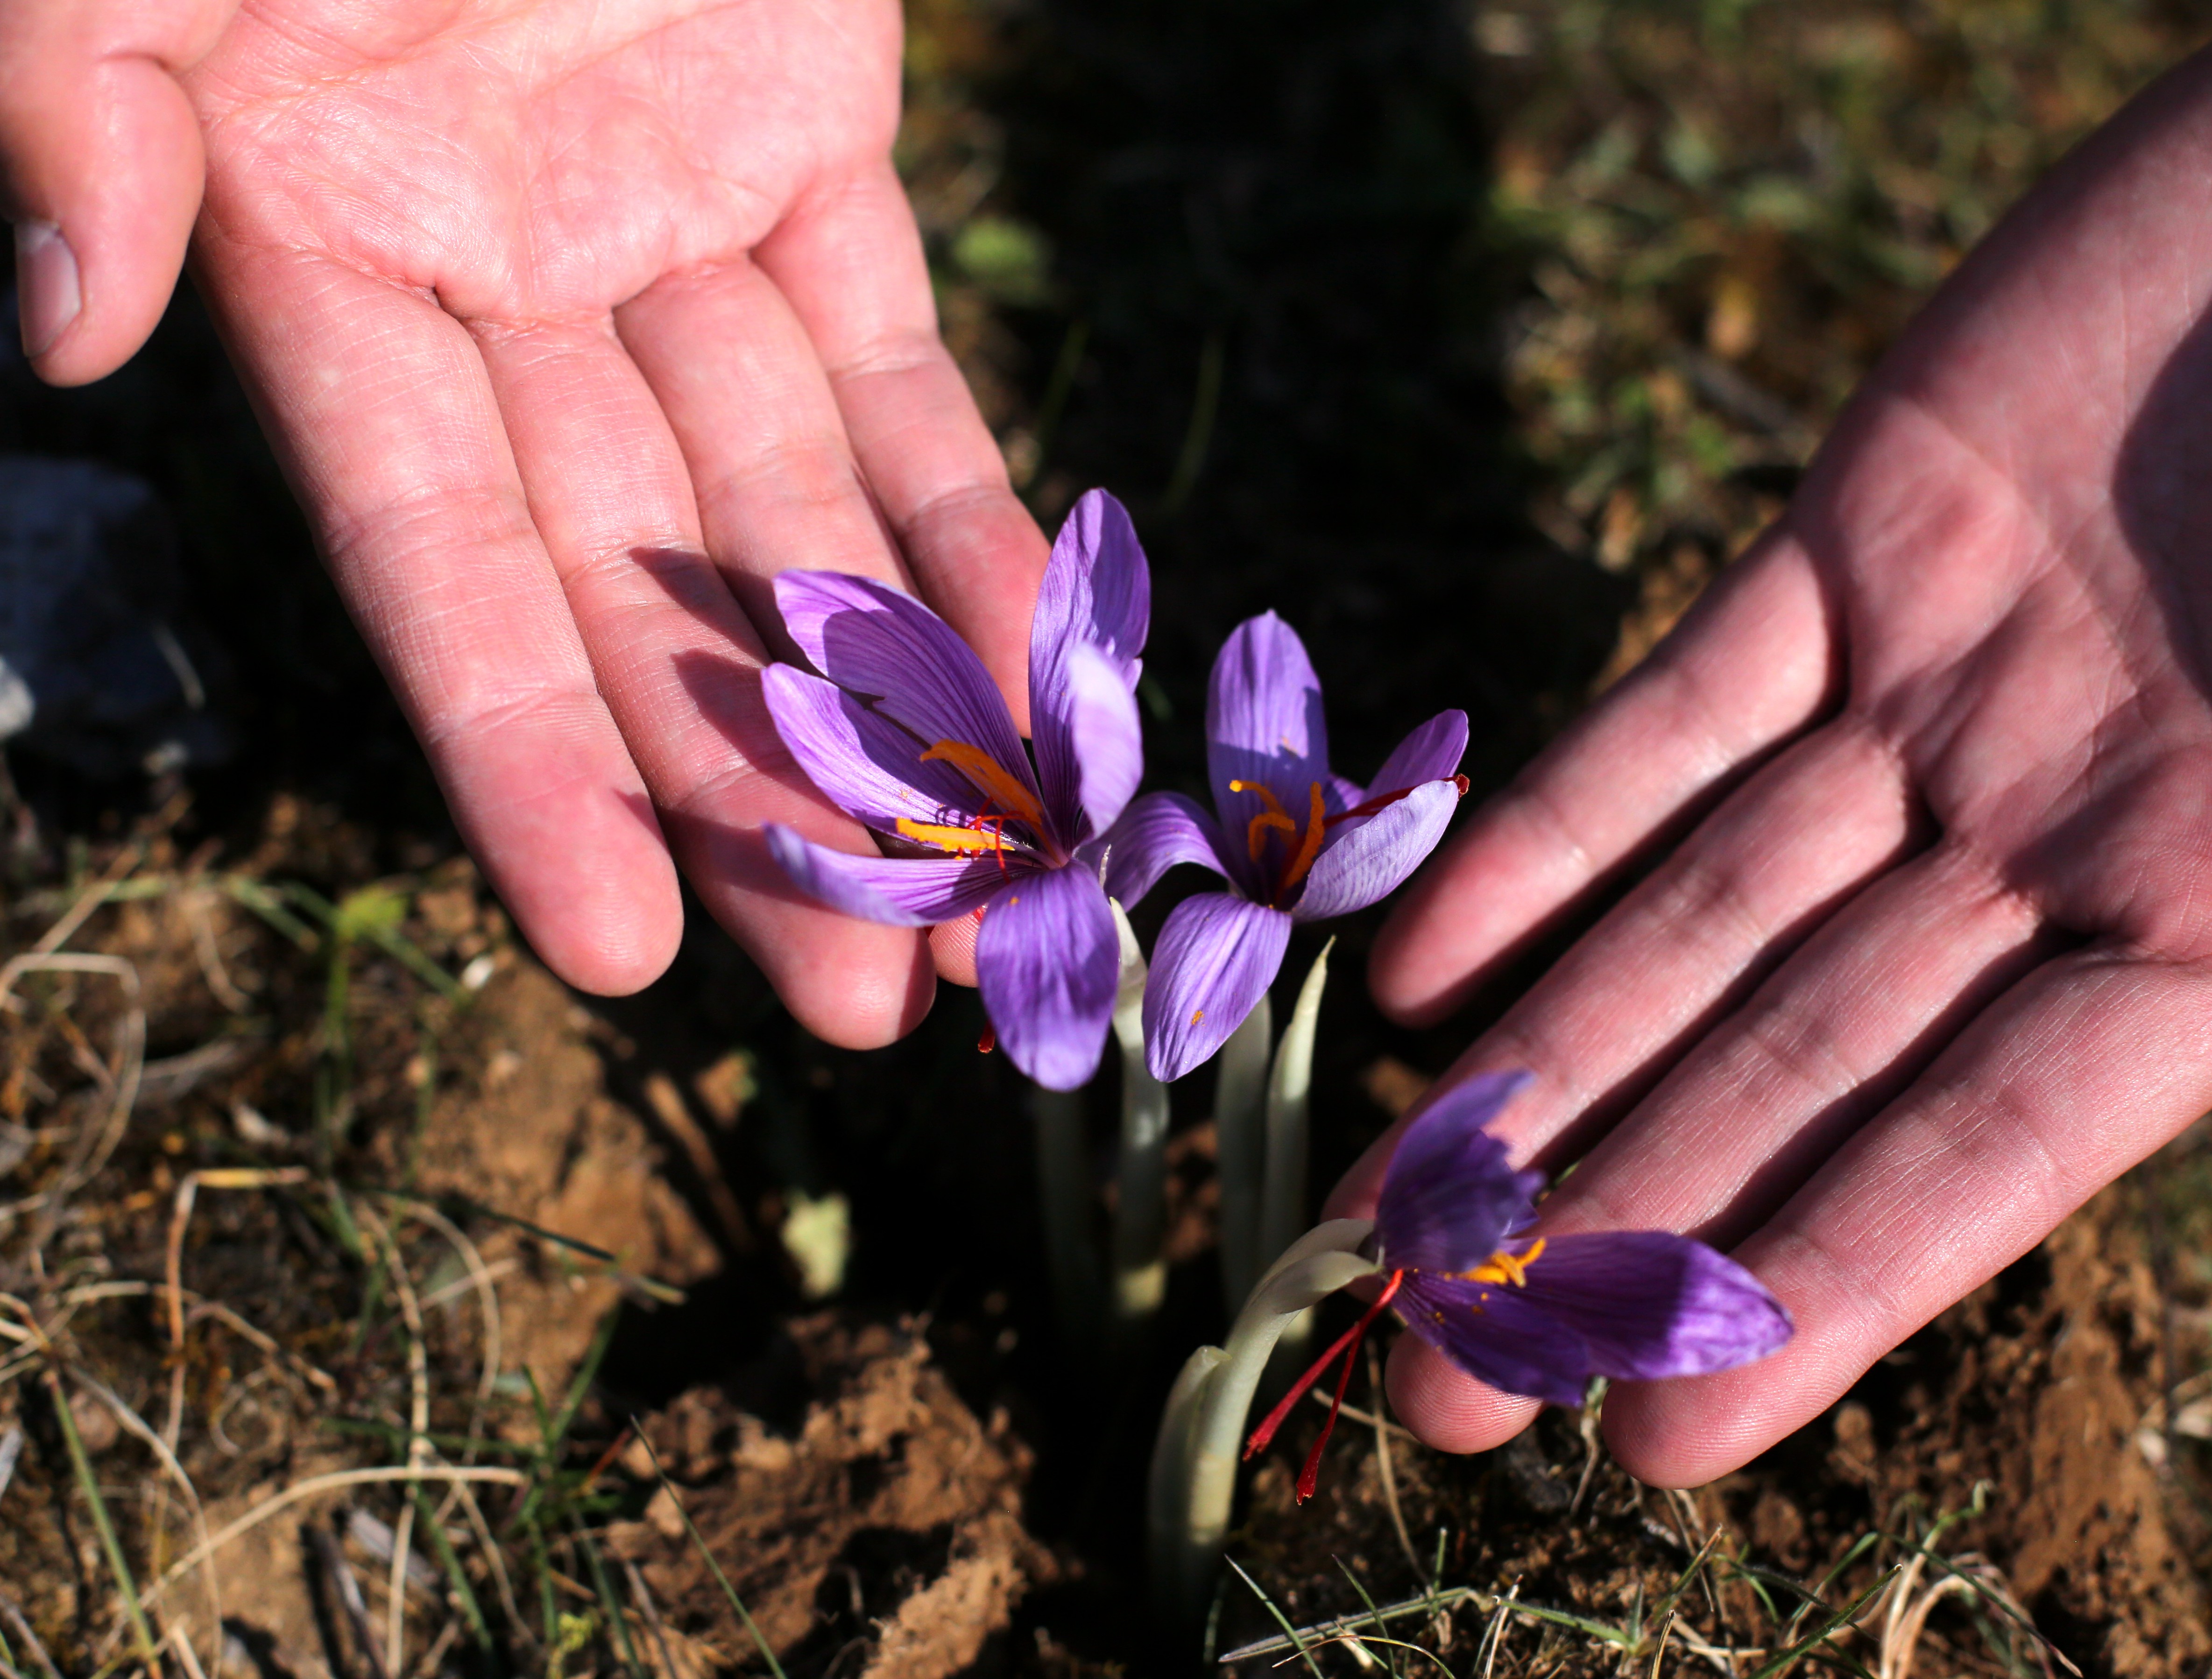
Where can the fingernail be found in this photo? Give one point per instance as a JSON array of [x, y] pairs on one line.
[[46, 285]]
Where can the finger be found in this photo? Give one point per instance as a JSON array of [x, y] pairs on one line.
[[1752, 664], [381, 405], [104, 168], [953, 947], [679, 667], [1687, 944], [771, 469], [2070, 1078], [1774, 1090], [850, 260]]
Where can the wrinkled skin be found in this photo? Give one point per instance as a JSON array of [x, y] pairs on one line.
[[1917, 807], [573, 322]]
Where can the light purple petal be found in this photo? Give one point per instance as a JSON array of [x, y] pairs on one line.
[[1366, 860], [1215, 956], [1648, 1304], [867, 765], [1097, 594], [1449, 1197], [1108, 746], [1432, 752], [888, 649], [1097, 587], [1263, 724], [898, 891], [1048, 960], [1155, 833], [1494, 1333]]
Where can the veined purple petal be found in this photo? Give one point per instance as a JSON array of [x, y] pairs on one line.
[[1649, 1304], [1450, 1198], [1496, 1336], [1264, 724], [1432, 752], [867, 765], [1107, 747], [1048, 960], [1366, 860], [1097, 594], [898, 891], [1096, 588], [1215, 956], [1156, 832], [889, 651]]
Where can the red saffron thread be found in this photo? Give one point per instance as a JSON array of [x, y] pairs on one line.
[[1348, 1343], [988, 1041]]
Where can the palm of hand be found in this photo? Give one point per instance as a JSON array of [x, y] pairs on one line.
[[1935, 966], [576, 322]]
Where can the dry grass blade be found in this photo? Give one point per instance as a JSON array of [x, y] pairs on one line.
[[13, 1613], [340, 1573], [96, 1143], [316, 1486]]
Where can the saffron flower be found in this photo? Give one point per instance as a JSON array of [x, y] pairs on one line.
[[905, 731], [1537, 1316], [1294, 841]]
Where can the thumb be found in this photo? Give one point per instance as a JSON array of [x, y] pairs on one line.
[[100, 155]]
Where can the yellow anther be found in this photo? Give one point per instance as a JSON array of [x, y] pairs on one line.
[[1502, 1267], [949, 839], [1273, 816], [991, 777]]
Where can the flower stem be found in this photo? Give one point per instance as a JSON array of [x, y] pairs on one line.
[[1064, 1193], [1283, 1185], [1193, 1483], [1239, 1097], [1140, 1210]]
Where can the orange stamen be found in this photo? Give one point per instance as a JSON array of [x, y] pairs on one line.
[[1348, 1343], [993, 777], [1273, 816], [1309, 848]]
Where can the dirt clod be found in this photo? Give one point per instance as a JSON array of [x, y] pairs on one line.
[[888, 1518]]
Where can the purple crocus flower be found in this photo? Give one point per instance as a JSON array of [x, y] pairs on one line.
[[909, 736], [1537, 1316], [1294, 841]]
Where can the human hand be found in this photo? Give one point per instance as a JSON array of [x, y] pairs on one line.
[[573, 325], [1920, 796]]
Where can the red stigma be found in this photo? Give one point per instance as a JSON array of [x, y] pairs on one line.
[[988, 1041], [1346, 1344]]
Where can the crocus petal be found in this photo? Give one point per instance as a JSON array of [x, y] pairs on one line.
[[867, 765], [1263, 725], [1368, 859], [1047, 960], [1096, 597], [898, 891], [890, 650], [1214, 958], [1432, 752], [1493, 1332], [1649, 1304], [1106, 745], [1450, 1198], [1097, 587], [1155, 833]]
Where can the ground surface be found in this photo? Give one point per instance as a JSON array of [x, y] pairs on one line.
[[1475, 345]]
